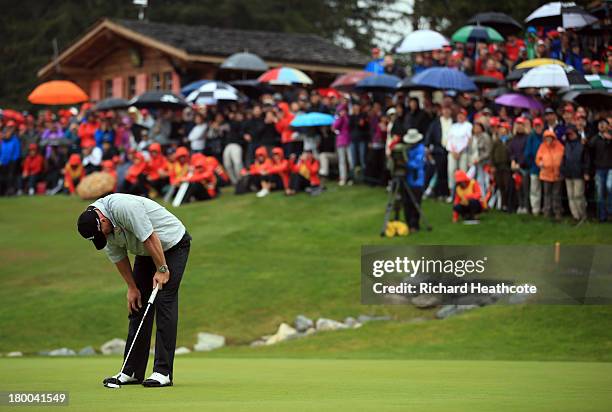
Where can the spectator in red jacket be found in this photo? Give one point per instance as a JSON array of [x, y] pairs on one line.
[[202, 181], [87, 131], [283, 126], [108, 166], [157, 168], [277, 176], [305, 174], [468, 197], [33, 167], [135, 182], [74, 172]]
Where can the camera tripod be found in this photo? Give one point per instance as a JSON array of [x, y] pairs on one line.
[[394, 202]]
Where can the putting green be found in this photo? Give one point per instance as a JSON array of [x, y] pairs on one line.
[[203, 384]]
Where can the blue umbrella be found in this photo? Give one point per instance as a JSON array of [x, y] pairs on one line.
[[378, 82], [193, 86], [445, 79], [312, 119]]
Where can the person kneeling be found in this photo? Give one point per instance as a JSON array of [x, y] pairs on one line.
[[251, 179], [305, 175], [277, 175], [202, 183], [468, 197]]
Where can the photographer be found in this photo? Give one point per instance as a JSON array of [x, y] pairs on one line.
[[408, 164]]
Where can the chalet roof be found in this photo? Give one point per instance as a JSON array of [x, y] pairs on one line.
[[285, 47]]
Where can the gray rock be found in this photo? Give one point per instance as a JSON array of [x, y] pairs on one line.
[[113, 347], [452, 310], [352, 323], [310, 331], [302, 323], [283, 333], [183, 350], [324, 324], [208, 342], [368, 318], [426, 301], [258, 342], [15, 354], [518, 298], [62, 352], [87, 351]]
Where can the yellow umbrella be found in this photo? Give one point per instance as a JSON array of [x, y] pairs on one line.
[[528, 64]]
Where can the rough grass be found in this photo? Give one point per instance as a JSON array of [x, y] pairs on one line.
[[257, 262]]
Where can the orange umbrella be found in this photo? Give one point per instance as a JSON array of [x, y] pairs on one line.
[[57, 92]]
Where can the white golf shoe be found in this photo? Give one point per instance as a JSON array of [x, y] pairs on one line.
[[122, 379], [157, 380]]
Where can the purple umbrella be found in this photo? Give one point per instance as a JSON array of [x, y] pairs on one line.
[[519, 100]]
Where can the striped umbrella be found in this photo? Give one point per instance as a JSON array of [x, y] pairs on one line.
[[474, 34], [598, 81], [529, 64], [212, 92], [349, 80], [285, 76]]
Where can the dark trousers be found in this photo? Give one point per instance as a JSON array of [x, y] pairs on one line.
[[411, 210], [552, 198], [441, 187], [468, 211], [196, 191], [503, 181], [165, 310], [298, 182], [8, 180]]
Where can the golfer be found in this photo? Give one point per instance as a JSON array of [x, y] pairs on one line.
[[119, 223]]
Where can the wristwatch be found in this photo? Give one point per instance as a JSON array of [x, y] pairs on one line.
[[162, 269]]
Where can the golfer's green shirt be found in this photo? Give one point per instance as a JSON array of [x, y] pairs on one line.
[[134, 219]]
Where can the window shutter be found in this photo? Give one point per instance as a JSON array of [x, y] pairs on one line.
[[141, 83], [118, 86], [95, 90], [176, 83]]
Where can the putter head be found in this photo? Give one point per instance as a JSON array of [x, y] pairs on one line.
[[113, 383]]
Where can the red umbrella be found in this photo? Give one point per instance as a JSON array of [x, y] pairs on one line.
[[57, 92], [329, 92], [13, 115], [349, 80]]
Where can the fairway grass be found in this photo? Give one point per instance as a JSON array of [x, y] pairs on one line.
[[324, 385]]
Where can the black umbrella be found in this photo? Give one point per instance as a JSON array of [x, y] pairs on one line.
[[495, 93], [485, 82], [112, 103], [517, 74], [501, 22], [407, 84], [245, 61], [159, 99], [596, 98], [252, 87], [567, 15]]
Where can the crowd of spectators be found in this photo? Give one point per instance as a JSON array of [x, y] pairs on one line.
[[462, 146]]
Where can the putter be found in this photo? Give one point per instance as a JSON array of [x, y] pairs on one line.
[[116, 384]]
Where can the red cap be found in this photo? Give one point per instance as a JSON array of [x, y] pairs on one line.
[[520, 120], [463, 112], [108, 164], [505, 125], [10, 123], [74, 159], [550, 133], [461, 176], [32, 146], [568, 108], [88, 144], [494, 121], [586, 60], [596, 63], [538, 122], [261, 151], [278, 151], [181, 151], [155, 147]]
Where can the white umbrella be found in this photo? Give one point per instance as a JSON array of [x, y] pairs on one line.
[[212, 92], [420, 41], [565, 14], [554, 76]]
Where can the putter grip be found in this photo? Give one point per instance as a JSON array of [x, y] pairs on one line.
[[153, 294]]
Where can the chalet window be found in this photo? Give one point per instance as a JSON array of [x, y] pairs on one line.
[[108, 88], [131, 86], [156, 81], [168, 80]]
